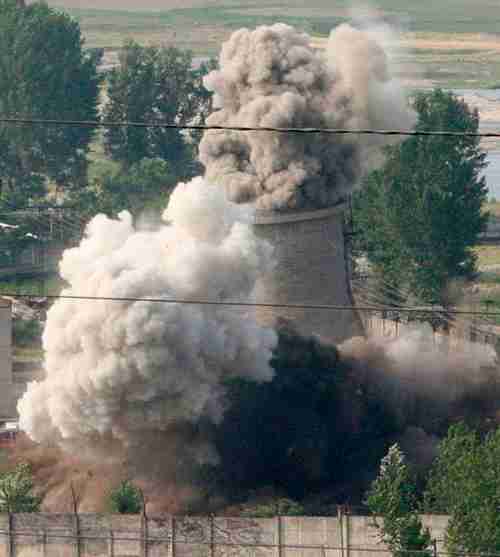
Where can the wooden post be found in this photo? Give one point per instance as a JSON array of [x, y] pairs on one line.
[[212, 535], [347, 541], [340, 517], [144, 535], [75, 502], [111, 543], [10, 537], [44, 542], [173, 536], [280, 534], [144, 526]]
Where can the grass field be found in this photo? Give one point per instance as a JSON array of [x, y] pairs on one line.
[[451, 43], [493, 208], [488, 256], [445, 16]]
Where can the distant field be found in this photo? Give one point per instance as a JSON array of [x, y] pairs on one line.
[[488, 256], [445, 16], [454, 43]]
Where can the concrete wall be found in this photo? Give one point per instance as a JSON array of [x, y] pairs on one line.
[[93, 535]]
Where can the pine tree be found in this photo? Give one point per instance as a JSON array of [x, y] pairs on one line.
[[392, 498]]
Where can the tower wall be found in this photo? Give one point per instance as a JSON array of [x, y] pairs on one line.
[[311, 268]]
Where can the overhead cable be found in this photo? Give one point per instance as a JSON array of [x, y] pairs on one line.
[[200, 127], [263, 305]]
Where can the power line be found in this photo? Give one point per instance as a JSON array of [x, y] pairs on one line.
[[217, 303], [200, 127]]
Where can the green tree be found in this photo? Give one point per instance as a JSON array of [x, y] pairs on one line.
[[143, 186], [420, 214], [126, 499], [44, 73], [392, 497], [464, 483], [16, 491], [160, 84]]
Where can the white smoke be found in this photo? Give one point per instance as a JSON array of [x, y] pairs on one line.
[[118, 372], [439, 370], [426, 380], [273, 77]]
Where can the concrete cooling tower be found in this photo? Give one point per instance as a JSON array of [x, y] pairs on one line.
[[311, 268]]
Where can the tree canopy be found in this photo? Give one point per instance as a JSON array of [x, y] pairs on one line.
[[464, 484], [392, 496], [160, 84], [125, 499], [143, 186], [16, 491], [44, 73], [420, 214]]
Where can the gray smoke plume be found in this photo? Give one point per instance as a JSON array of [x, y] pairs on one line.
[[273, 77], [428, 385], [122, 377]]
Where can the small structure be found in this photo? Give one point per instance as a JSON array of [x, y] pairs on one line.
[[10, 390], [8, 433]]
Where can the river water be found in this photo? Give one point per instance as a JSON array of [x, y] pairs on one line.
[[492, 174], [489, 101]]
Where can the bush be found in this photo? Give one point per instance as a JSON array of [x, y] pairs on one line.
[[464, 483], [26, 332], [16, 491], [126, 499], [392, 497]]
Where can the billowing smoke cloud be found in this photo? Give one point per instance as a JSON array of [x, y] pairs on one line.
[[427, 381], [272, 77], [338, 409], [142, 383], [427, 384], [122, 377]]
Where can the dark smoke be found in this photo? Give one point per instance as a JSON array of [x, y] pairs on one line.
[[320, 427], [330, 414]]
